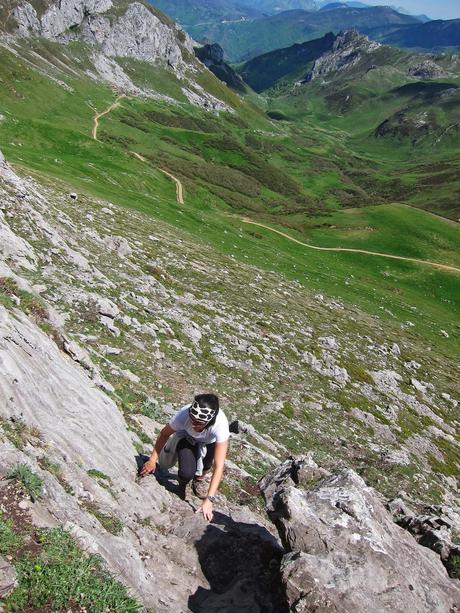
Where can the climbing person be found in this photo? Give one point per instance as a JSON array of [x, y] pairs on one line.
[[199, 437]]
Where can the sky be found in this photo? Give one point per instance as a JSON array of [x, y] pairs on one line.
[[436, 9]]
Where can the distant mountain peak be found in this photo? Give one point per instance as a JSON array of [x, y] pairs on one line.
[[347, 50]]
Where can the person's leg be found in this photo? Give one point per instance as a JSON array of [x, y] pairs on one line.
[[199, 486], [187, 460], [209, 457]]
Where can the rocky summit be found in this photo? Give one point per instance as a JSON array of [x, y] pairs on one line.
[[166, 231]]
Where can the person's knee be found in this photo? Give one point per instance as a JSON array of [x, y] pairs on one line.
[[186, 473]]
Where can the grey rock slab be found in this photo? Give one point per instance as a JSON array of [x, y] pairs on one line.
[[108, 323], [107, 307], [119, 244], [67, 13], [84, 429], [8, 577], [14, 248], [346, 554]]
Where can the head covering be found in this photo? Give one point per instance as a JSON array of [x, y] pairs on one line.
[[203, 414]]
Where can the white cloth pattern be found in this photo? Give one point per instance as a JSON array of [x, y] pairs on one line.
[[217, 433]]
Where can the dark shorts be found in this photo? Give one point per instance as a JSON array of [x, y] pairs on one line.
[[188, 455]]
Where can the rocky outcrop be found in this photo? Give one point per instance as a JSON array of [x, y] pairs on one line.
[[435, 529], [426, 70], [137, 33], [118, 31], [59, 16], [348, 49], [212, 57], [8, 577], [344, 553]]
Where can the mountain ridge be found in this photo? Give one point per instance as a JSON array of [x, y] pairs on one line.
[[243, 40]]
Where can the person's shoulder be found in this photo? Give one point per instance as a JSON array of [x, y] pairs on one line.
[[179, 416], [221, 417]]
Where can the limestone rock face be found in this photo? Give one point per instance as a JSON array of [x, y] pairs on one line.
[[59, 17], [137, 33], [27, 19], [15, 248], [347, 50], [345, 552]]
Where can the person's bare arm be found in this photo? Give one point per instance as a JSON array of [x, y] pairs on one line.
[[151, 463], [220, 453]]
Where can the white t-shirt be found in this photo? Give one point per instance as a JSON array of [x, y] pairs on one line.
[[217, 433]]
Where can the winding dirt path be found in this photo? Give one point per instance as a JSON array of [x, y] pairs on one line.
[[97, 116], [179, 188], [349, 250]]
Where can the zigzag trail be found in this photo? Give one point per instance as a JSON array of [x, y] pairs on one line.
[[180, 200], [349, 250], [97, 116], [179, 188]]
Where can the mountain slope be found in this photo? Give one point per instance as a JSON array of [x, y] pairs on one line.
[[264, 71], [402, 107], [244, 40], [434, 35], [195, 12], [118, 302]]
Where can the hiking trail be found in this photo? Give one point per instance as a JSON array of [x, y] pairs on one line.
[[97, 116], [179, 187], [350, 250]]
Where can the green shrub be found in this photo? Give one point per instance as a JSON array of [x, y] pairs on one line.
[[18, 432], [288, 410], [61, 575], [30, 481], [9, 540], [111, 523], [97, 474], [453, 566]]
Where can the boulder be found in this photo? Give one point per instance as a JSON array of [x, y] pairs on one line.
[[8, 577], [345, 553], [118, 244], [107, 308]]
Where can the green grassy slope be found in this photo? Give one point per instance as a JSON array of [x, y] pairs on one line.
[[404, 131], [230, 166]]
